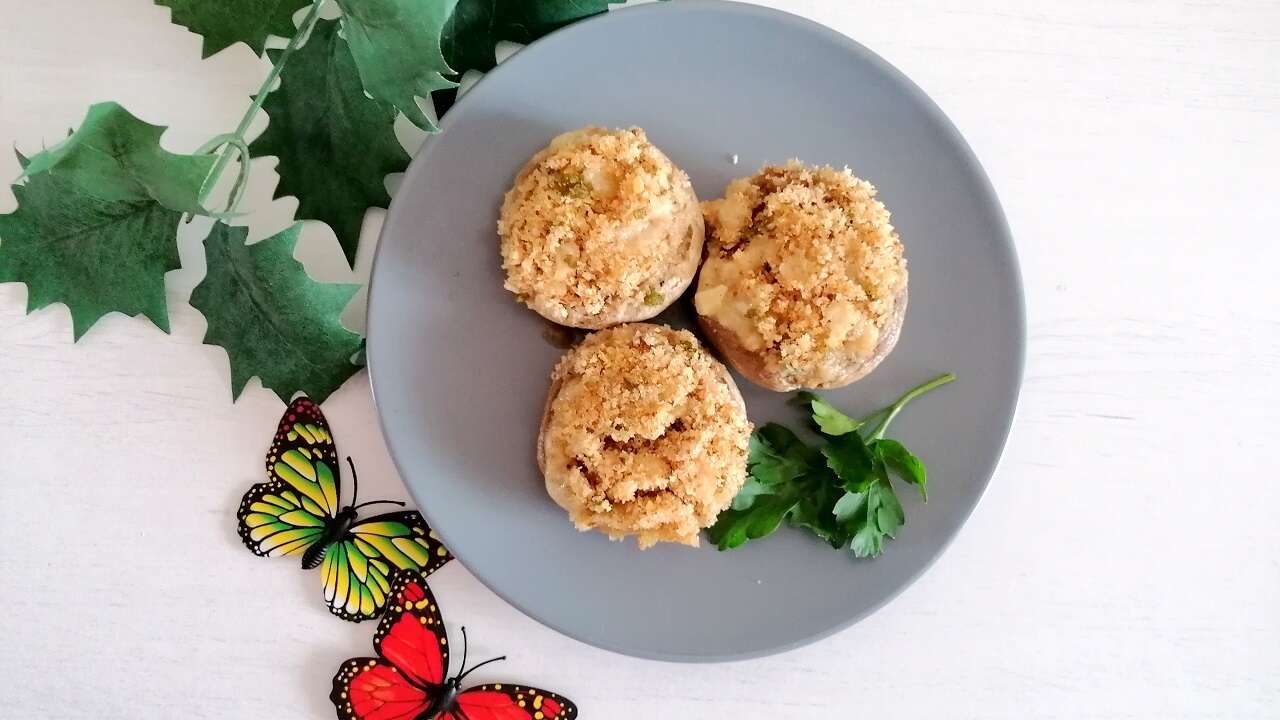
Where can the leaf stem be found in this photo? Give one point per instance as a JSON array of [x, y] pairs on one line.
[[890, 412], [235, 142]]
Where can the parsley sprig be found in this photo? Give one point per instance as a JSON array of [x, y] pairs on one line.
[[839, 491]]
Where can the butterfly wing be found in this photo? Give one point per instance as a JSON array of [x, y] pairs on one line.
[[357, 569], [370, 689], [303, 456], [413, 656], [275, 520], [411, 635], [502, 701]]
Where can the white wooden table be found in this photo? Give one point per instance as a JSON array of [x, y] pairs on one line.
[[1122, 565]]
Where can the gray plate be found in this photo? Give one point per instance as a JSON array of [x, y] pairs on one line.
[[460, 371]]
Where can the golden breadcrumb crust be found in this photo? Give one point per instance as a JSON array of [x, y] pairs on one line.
[[600, 228], [805, 276], [644, 434]]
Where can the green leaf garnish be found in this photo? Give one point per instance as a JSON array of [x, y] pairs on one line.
[[396, 46], [828, 419], [777, 456], [899, 459], [840, 490], [224, 23], [274, 321], [761, 517], [851, 461], [336, 146]]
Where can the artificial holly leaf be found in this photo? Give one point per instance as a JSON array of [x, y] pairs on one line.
[[115, 157], [273, 320], [95, 224], [335, 144], [476, 27], [224, 23], [94, 255], [396, 46]]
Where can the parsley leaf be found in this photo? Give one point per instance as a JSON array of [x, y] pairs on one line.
[[841, 491], [899, 459], [828, 419], [815, 510], [761, 517], [776, 455], [851, 461]]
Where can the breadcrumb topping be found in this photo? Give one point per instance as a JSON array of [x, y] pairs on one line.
[[647, 436], [597, 223], [803, 267]]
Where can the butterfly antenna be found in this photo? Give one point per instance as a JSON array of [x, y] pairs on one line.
[[377, 502], [480, 665], [355, 481], [462, 670]]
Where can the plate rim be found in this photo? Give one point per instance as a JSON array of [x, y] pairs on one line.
[[948, 128]]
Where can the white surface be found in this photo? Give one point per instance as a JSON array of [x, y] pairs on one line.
[[1121, 566]]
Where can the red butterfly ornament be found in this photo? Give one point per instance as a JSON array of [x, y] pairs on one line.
[[408, 680]]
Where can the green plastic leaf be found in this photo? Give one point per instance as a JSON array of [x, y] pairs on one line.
[[224, 23], [828, 419], [335, 145], [96, 256], [115, 157], [903, 463], [96, 219], [396, 46], [274, 321], [477, 26]]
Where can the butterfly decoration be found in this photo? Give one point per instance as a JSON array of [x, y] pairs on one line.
[[297, 512], [408, 680]]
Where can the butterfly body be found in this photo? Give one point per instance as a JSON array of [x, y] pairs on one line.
[[297, 511], [445, 700], [334, 530], [408, 679]]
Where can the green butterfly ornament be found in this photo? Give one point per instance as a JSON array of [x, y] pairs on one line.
[[297, 512]]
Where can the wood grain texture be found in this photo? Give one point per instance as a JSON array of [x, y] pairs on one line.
[[1122, 565]]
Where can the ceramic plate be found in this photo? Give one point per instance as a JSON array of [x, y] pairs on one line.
[[460, 371]]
